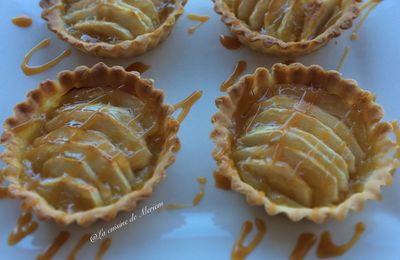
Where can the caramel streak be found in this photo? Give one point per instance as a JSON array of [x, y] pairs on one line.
[[342, 59], [326, 248], [82, 241], [53, 248], [199, 196], [196, 200], [3, 190], [22, 21], [31, 70], [221, 181], [304, 243], [230, 42], [195, 17], [187, 104], [239, 69], [4, 193], [103, 248], [138, 66], [371, 4], [25, 226], [240, 251]]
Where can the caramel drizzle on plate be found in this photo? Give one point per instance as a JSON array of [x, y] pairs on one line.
[[25, 226], [240, 251], [230, 42], [371, 4], [82, 241], [4, 193], [138, 66], [22, 21], [53, 248], [304, 243], [103, 248], [187, 104], [3, 190], [221, 181], [197, 198], [343, 58], [31, 70], [195, 17], [239, 69], [326, 248]]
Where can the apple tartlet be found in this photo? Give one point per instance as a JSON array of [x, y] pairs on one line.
[[287, 27], [89, 144], [303, 141], [112, 28]]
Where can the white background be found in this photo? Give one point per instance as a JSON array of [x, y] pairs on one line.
[[181, 65]]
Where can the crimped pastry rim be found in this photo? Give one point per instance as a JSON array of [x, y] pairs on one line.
[[271, 45], [222, 137], [25, 110], [123, 49]]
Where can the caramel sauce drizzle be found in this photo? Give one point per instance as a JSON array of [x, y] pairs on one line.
[[31, 70], [371, 4], [25, 226], [53, 248], [103, 249], [326, 248], [22, 21], [221, 181], [138, 66], [230, 42], [82, 241], [240, 251], [197, 198], [4, 193], [343, 58], [195, 17], [304, 243], [187, 104], [3, 190], [239, 69]]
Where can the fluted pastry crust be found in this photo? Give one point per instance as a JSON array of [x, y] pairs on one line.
[[88, 145], [303, 141], [112, 28], [287, 27]]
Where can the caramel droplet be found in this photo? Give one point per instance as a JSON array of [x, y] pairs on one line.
[[103, 248], [326, 248], [303, 245], [195, 17], [229, 42], [22, 21], [53, 248], [187, 104], [138, 66], [31, 70], [239, 69], [240, 251], [25, 226]]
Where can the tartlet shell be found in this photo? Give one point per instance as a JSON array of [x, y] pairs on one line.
[[270, 45], [124, 49], [297, 73], [41, 99]]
